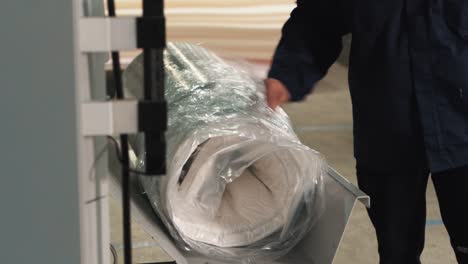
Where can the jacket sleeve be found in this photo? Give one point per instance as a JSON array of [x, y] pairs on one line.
[[311, 42]]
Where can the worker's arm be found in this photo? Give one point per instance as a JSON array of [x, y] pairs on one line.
[[311, 42]]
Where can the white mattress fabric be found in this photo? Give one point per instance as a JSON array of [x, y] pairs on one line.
[[240, 185]]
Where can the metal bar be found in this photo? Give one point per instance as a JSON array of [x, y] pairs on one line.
[[153, 61], [103, 34], [108, 118], [361, 196]]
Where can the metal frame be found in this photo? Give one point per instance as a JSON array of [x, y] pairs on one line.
[[93, 37], [103, 34], [92, 186], [108, 118]]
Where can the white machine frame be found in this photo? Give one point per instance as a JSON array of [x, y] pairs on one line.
[[94, 35]]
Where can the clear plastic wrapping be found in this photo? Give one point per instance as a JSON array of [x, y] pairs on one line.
[[240, 186]]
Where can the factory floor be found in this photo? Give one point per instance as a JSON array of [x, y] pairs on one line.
[[324, 123]]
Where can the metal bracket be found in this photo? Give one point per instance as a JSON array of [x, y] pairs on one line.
[[107, 118], [360, 195], [103, 34]]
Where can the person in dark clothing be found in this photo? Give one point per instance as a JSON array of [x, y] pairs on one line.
[[408, 78]]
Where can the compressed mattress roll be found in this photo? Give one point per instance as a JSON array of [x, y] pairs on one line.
[[238, 213], [240, 185]]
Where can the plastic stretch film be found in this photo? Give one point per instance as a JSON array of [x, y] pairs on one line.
[[240, 185]]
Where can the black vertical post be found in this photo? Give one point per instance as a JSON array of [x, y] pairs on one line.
[[126, 214], [152, 109], [153, 49]]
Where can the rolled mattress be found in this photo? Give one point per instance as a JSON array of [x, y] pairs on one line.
[[240, 185]]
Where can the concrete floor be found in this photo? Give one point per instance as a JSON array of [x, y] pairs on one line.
[[323, 122]]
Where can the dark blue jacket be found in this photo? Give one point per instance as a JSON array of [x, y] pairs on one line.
[[408, 73]]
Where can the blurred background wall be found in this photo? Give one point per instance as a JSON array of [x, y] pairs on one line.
[[247, 29]]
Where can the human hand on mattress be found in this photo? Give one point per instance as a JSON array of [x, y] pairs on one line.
[[276, 92]]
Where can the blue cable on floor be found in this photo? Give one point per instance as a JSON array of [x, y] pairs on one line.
[[434, 222]]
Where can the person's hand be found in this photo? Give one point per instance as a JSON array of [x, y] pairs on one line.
[[276, 92]]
